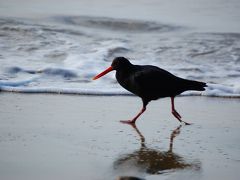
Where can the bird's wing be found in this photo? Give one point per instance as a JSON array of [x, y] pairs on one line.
[[153, 76], [153, 80]]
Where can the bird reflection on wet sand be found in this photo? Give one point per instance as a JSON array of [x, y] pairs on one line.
[[154, 161]]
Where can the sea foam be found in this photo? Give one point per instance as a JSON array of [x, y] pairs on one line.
[[64, 56]]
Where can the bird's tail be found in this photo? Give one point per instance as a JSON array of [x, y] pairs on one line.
[[195, 85]]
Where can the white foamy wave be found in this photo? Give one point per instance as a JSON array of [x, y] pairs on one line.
[[15, 84], [213, 90], [122, 25], [63, 57], [223, 90]]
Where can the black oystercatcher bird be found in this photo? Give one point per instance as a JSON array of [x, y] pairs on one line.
[[150, 83]]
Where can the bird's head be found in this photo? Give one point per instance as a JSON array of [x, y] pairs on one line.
[[120, 63], [117, 64]]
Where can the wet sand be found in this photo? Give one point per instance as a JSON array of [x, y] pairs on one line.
[[80, 137]]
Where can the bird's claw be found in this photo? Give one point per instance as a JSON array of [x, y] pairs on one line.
[[186, 123], [178, 116], [130, 122]]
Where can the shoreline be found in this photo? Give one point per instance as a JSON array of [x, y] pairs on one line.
[[127, 94]]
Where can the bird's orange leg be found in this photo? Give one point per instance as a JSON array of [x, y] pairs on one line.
[[145, 102], [175, 113], [135, 118]]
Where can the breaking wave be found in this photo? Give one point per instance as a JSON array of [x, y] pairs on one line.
[[64, 56]]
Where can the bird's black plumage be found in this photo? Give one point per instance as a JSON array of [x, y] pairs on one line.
[[151, 83]]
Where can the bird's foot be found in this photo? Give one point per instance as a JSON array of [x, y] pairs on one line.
[[178, 116], [130, 122], [186, 123]]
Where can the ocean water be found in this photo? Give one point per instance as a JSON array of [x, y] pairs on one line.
[[58, 48]]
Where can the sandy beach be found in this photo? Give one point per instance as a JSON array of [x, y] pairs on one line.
[[80, 137]]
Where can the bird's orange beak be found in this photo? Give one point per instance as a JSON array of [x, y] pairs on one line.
[[103, 73]]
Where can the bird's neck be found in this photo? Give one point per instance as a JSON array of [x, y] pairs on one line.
[[126, 70], [124, 73]]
